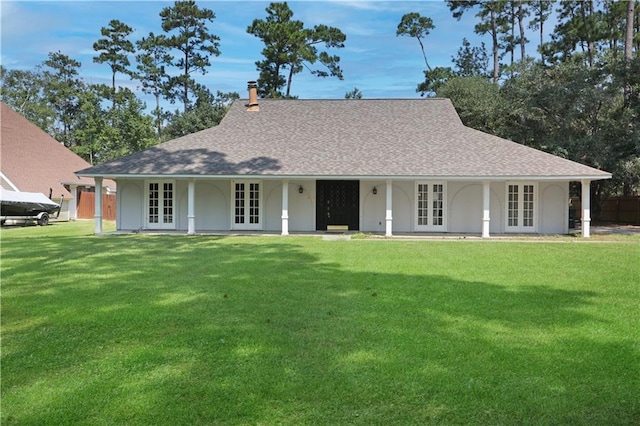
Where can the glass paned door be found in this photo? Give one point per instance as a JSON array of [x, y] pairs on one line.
[[521, 206], [247, 205], [160, 205], [431, 206]]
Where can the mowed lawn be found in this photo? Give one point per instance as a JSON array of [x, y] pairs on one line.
[[177, 330]]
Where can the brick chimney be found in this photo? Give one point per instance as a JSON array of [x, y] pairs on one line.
[[253, 97]]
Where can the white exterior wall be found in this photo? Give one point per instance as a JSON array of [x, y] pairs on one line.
[[373, 206], [212, 205], [465, 207], [302, 207], [130, 204], [553, 208], [214, 209]]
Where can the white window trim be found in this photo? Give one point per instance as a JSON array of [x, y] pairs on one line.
[[520, 227], [430, 226], [247, 225], [160, 182]]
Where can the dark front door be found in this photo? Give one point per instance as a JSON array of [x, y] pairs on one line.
[[337, 204]]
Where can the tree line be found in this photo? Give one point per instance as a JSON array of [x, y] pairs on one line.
[[577, 96], [102, 122]]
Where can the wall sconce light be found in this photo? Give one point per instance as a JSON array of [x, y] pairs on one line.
[[375, 190], [300, 190]]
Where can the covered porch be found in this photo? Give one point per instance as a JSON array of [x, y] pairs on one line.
[[387, 207]]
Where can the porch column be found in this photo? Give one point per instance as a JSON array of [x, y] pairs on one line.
[[486, 208], [285, 207], [586, 208], [389, 216], [98, 206], [191, 207]]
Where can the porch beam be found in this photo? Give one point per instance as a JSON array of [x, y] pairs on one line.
[[486, 208], [285, 207], [98, 206], [389, 213], [586, 208], [191, 207]]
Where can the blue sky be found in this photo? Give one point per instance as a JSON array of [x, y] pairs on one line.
[[374, 60]]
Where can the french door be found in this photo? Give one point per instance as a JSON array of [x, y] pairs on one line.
[[247, 213], [521, 207], [160, 205], [431, 206]]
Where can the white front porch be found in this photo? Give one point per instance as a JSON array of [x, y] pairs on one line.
[[387, 207]]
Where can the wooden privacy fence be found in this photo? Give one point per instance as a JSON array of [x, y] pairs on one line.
[[87, 204], [623, 209]]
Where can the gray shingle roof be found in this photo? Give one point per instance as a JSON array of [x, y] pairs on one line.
[[359, 138]]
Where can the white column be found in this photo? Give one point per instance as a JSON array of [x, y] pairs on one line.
[[389, 215], [486, 208], [191, 207], [98, 206], [73, 202], [586, 208], [285, 207]]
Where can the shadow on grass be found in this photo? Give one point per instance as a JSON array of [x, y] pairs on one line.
[[165, 330]]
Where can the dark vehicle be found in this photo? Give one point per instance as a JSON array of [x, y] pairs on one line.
[[26, 206]]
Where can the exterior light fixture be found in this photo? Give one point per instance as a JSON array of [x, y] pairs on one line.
[[300, 190], [375, 190]]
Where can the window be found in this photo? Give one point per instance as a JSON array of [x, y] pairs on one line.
[[430, 206], [160, 207], [521, 204], [247, 205]]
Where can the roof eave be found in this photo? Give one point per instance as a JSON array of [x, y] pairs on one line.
[[489, 178]]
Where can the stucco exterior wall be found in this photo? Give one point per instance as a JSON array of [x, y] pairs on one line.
[[214, 206], [130, 204]]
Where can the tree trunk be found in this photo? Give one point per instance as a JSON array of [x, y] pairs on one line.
[[541, 32], [289, 80], [523, 54], [628, 40], [185, 94], [628, 45], [494, 35]]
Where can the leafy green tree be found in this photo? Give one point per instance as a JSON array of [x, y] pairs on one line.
[[493, 21], [61, 89], [477, 101], [207, 111], [580, 24], [289, 47], [151, 59], [541, 10], [353, 94], [22, 90], [471, 61], [187, 32], [106, 135], [114, 48], [414, 25]]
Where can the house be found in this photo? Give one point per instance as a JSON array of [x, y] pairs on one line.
[[32, 161], [380, 165]]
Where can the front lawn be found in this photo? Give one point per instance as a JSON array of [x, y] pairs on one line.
[[178, 330]]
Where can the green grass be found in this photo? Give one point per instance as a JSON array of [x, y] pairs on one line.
[[178, 330]]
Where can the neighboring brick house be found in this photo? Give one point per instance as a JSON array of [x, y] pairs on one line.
[[33, 161], [382, 165]]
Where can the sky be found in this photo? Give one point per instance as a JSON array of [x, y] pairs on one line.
[[374, 59]]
